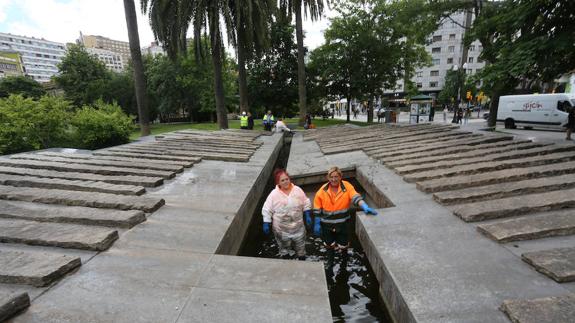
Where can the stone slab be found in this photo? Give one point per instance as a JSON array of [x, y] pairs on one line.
[[74, 198], [99, 162], [12, 303], [120, 180], [202, 154], [80, 168], [230, 306], [501, 190], [214, 147], [71, 185], [133, 154], [205, 143], [560, 309], [139, 161], [516, 205], [490, 166], [548, 224], [559, 264], [56, 235], [509, 155], [36, 269], [70, 214], [494, 177], [455, 138]]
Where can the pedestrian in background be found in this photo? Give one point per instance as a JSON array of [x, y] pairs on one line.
[[250, 121], [570, 123], [269, 121], [445, 113]]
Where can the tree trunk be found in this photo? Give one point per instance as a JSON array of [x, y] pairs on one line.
[[243, 82], [139, 78], [300, 64], [370, 110], [493, 106], [216, 43], [348, 108]]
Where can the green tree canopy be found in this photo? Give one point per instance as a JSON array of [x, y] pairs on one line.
[[22, 85]]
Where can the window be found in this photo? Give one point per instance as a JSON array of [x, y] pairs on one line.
[[478, 70], [419, 85], [470, 60], [419, 74], [471, 48], [434, 73], [450, 60], [436, 61], [432, 84], [437, 38], [451, 49], [451, 36], [469, 71], [436, 50]]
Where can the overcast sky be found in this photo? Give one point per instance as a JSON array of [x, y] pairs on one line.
[[62, 20]]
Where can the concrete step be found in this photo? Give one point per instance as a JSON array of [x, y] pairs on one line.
[[132, 154], [558, 264], [200, 146], [488, 166], [455, 139], [119, 180], [559, 309], [501, 190], [74, 198], [70, 214], [548, 224], [204, 155], [80, 168], [36, 269], [480, 150], [99, 162], [136, 161], [57, 235], [487, 156], [12, 303], [494, 177], [71, 185], [463, 145], [517, 205]]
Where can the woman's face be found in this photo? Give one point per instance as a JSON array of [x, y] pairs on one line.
[[334, 178], [284, 182]]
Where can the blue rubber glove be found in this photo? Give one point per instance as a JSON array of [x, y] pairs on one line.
[[367, 209], [307, 217], [267, 228], [317, 226]]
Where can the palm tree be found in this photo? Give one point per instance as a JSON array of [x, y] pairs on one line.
[[252, 20], [170, 20], [315, 9], [139, 80]]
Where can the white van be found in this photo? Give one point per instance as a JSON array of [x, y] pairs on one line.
[[535, 110]]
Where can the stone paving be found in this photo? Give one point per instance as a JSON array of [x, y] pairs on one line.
[[86, 236], [517, 189]]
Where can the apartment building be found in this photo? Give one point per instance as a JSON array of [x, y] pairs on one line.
[[113, 61], [10, 63], [99, 42], [154, 49], [40, 57], [447, 52]]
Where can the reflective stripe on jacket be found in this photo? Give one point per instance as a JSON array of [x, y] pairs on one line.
[[334, 208], [243, 121], [268, 119]]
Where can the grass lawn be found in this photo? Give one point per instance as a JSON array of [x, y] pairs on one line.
[[234, 124]]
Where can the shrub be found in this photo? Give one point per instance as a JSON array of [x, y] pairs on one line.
[[101, 125], [26, 124]]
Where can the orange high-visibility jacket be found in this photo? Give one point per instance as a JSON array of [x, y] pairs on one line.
[[334, 208]]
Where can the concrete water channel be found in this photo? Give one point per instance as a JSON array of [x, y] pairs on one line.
[[155, 231]]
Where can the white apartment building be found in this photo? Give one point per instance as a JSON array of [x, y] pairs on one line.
[[446, 50], [154, 49], [99, 42], [39, 56], [113, 61]]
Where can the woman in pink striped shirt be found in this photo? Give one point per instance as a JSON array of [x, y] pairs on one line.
[[283, 211]]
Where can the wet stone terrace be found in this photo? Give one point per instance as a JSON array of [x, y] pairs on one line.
[[142, 232], [482, 224]]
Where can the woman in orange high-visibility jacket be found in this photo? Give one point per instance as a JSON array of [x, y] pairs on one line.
[[331, 207]]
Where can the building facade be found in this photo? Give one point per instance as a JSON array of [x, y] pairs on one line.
[[40, 57], [447, 52], [154, 49], [113, 61], [10, 63], [98, 42]]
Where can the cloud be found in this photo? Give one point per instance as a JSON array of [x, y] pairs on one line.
[[4, 4]]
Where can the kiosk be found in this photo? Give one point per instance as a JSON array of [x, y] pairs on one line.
[[420, 107]]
